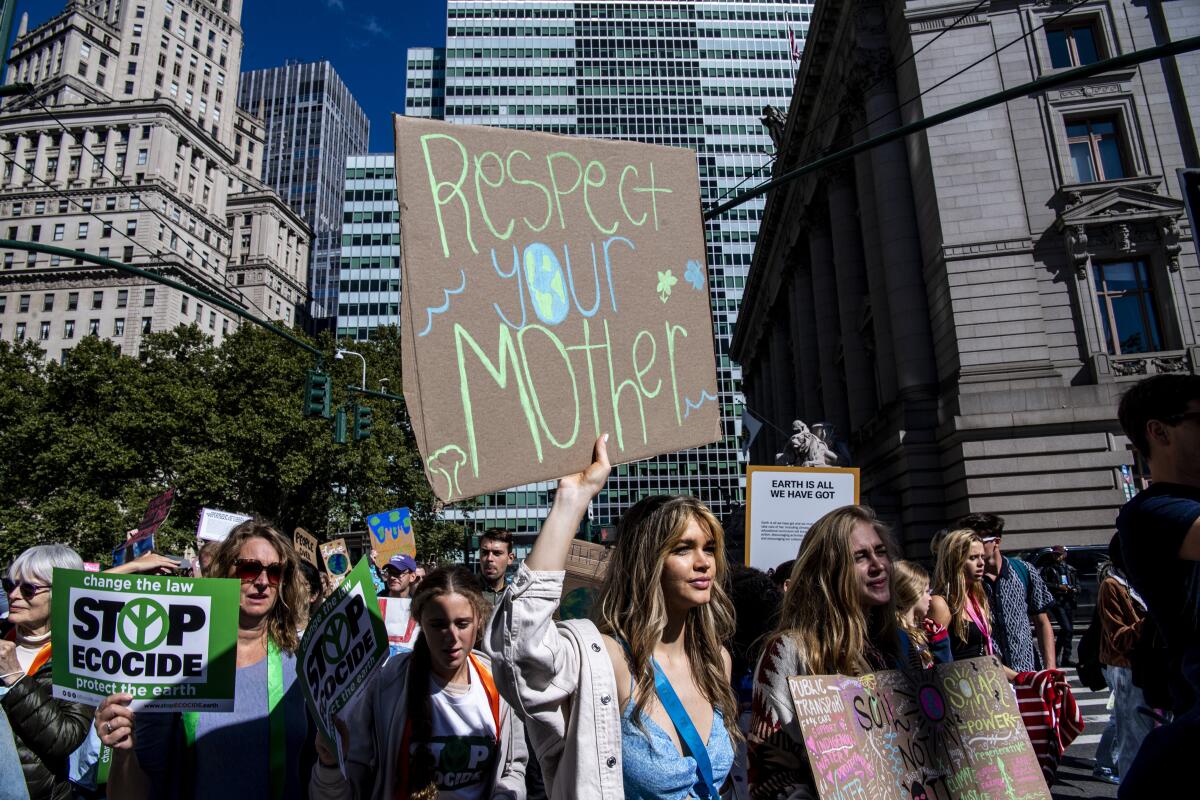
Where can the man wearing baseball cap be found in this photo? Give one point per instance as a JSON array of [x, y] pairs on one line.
[[399, 574]]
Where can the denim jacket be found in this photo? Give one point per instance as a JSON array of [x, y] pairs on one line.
[[559, 679]]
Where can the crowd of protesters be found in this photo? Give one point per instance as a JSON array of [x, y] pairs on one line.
[[677, 685]]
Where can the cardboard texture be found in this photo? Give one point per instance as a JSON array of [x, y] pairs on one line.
[[953, 731], [554, 288], [782, 503], [336, 557], [392, 534], [586, 564], [156, 513], [307, 547]]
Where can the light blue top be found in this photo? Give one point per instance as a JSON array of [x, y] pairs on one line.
[[653, 768]]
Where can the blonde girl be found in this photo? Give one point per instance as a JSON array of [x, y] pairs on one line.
[[911, 586]]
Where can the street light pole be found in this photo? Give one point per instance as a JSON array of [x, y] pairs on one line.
[[340, 354]]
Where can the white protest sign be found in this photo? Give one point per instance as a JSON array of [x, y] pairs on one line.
[[402, 628], [215, 525], [782, 503]]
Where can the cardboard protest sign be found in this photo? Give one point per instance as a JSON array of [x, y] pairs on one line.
[[392, 534], [402, 628], [954, 731], [344, 643], [156, 513], [555, 288], [169, 641], [306, 547], [782, 503], [336, 558], [133, 548], [215, 525], [586, 564]]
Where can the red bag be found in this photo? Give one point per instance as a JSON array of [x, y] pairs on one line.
[[1050, 714]]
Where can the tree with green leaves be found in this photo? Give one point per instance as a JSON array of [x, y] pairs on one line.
[[89, 442]]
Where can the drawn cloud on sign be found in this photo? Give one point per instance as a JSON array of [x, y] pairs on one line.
[[444, 307], [693, 274], [452, 459], [689, 406]]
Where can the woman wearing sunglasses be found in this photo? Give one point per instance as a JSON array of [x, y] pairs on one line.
[[46, 730], [255, 751]]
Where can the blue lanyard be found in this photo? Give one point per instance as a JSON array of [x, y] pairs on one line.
[[683, 726]]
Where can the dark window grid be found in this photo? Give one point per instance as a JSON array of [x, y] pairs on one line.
[[1125, 294], [1096, 148]]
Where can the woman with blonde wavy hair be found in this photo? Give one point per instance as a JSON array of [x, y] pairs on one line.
[[255, 750], [959, 602], [637, 704], [838, 617], [913, 593]]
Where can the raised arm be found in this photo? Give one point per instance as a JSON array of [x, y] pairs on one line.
[[570, 504]]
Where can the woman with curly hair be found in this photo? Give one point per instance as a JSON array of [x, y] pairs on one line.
[[838, 617], [255, 751], [636, 703], [431, 724]]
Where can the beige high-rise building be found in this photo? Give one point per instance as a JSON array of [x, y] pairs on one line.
[[132, 147]]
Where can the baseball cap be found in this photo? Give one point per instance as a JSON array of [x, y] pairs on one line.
[[402, 563]]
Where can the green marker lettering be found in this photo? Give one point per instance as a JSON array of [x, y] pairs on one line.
[[455, 189], [587, 347], [640, 372], [616, 389], [671, 331], [537, 405], [527, 182], [654, 192], [558, 192], [481, 175], [621, 196], [588, 182]]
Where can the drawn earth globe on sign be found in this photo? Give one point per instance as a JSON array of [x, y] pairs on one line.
[[577, 603], [547, 288], [338, 563]]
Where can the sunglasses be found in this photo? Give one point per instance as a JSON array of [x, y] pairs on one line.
[[28, 590], [247, 570], [392, 572]]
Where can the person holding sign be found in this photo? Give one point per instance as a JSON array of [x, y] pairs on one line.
[[431, 723], [255, 751], [46, 730], [838, 617], [613, 706]]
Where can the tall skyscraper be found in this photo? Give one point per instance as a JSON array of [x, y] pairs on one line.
[[694, 75], [131, 146], [369, 277], [313, 123]]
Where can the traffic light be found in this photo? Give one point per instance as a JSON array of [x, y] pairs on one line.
[[317, 394], [362, 423], [339, 426]]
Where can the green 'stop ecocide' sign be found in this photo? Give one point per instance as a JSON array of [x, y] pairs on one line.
[[554, 288], [344, 644], [168, 641]]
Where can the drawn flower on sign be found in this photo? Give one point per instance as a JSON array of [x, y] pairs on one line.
[[665, 281], [694, 275]]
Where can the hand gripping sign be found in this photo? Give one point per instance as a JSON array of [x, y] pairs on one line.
[[343, 645], [168, 641]]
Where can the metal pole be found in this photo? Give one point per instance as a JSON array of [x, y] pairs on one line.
[[1041, 84], [341, 352], [233, 308]]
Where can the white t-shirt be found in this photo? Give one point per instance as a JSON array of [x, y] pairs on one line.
[[463, 740]]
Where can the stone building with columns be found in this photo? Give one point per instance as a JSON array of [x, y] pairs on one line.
[[967, 305], [131, 146]]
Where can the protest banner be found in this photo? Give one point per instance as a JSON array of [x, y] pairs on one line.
[[156, 513], [392, 534], [168, 641], [554, 288], [586, 564], [215, 525], [344, 643], [401, 625], [307, 547], [782, 503], [950, 732], [335, 556], [133, 548]]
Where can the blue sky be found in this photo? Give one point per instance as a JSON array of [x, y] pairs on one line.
[[365, 40]]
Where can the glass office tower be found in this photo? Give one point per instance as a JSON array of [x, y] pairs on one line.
[[686, 74]]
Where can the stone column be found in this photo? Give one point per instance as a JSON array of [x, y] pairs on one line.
[[109, 138], [804, 337], [781, 367], [40, 154], [824, 284], [19, 176], [861, 399], [899, 240], [881, 320], [62, 175]]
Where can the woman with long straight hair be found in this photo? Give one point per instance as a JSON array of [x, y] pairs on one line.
[[959, 602], [636, 703], [913, 591], [838, 617], [257, 749], [431, 725]]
